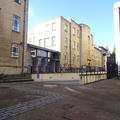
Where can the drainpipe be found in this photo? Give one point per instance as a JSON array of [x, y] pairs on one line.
[[70, 46], [23, 41], [80, 45]]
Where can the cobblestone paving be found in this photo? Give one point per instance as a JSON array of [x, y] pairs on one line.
[[50, 97]]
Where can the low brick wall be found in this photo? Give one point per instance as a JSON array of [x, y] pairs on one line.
[[84, 78]]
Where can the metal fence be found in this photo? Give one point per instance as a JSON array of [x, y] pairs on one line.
[[48, 69]]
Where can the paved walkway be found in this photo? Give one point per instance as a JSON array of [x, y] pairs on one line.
[[50, 97]]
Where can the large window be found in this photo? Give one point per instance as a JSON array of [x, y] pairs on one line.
[[53, 41], [65, 58], [40, 42], [78, 33], [73, 31], [66, 28], [53, 26], [14, 50], [46, 42], [16, 23], [18, 1], [66, 42], [78, 59], [73, 44], [47, 28], [78, 46], [73, 59]]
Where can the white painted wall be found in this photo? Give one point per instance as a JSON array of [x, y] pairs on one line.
[[117, 32], [41, 33]]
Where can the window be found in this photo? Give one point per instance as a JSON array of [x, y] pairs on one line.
[[73, 31], [47, 28], [14, 50], [16, 23], [53, 26], [66, 42], [73, 59], [53, 41], [65, 58], [78, 48], [78, 33], [78, 59], [40, 42], [46, 42], [73, 44], [18, 1], [66, 28]]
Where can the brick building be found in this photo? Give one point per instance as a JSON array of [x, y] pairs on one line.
[[74, 41], [13, 36]]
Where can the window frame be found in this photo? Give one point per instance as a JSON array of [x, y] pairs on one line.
[[74, 59], [66, 27], [66, 58], [17, 1], [16, 20], [14, 54]]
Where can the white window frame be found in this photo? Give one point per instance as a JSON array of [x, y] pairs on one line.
[[15, 50], [16, 23]]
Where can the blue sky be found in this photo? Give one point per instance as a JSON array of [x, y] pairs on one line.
[[98, 14]]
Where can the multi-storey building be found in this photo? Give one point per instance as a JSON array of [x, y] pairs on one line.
[[97, 56], [117, 33], [13, 36], [74, 41], [87, 46]]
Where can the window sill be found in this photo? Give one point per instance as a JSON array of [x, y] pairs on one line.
[[16, 31], [15, 57]]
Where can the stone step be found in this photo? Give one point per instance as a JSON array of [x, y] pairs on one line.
[[17, 79]]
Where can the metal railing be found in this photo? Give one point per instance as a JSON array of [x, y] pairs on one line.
[[49, 69]]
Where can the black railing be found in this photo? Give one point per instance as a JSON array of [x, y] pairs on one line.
[[49, 69]]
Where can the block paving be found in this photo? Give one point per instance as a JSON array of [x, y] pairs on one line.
[[14, 110]]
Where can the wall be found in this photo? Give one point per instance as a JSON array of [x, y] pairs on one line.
[[70, 76], [8, 36], [117, 33]]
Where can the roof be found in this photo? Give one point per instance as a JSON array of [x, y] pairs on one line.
[[42, 48], [103, 48]]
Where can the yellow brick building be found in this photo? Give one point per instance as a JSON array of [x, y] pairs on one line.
[[13, 36], [74, 41]]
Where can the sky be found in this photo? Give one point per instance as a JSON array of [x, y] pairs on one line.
[[97, 14]]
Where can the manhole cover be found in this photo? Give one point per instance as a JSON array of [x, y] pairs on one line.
[[78, 115], [67, 106]]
